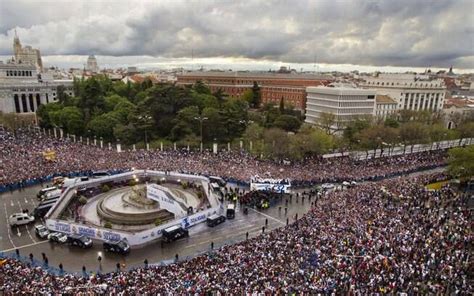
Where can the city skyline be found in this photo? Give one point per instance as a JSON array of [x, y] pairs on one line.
[[255, 35]]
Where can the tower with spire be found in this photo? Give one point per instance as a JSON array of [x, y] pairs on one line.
[[16, 46], [27, 54]]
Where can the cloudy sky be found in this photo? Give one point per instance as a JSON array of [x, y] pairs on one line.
[[238, 34]]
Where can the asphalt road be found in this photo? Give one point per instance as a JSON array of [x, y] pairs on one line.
[[200, 236]]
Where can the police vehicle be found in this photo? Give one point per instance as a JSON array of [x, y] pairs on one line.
[[215, 220], [174, 233]]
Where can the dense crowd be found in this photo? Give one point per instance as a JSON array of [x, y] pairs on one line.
[[21, 159], [388, 237]]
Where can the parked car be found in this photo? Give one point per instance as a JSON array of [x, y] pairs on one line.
[[230, 212], [57, 237], [173, 233], [41, 231], [80, 241], [121, 247], [327, 186], [20, 219], [215, 220]]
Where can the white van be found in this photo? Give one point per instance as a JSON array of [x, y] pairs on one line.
[[45, 191], [73, 181], [20, 219], [52, 195]]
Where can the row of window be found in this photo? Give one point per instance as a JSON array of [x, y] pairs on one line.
[[405, 84], [18, 73], [420, 104], [24, 102]]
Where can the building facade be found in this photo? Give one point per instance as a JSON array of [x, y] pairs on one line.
[[27, 55], [347, 104], [411, 92], [385, 106], [92, 64], [273, 86], [23, 90]]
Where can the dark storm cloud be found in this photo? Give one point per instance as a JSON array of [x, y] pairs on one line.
[[400, 33]]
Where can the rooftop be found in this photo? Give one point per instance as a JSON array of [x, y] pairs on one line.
[[260, 75], [384, 99]]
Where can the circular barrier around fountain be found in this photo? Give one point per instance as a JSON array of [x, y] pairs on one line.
[[119, 209]]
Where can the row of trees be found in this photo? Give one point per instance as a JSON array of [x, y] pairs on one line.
[[143, 112]]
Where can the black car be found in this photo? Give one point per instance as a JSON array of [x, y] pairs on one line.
[[79, 240], [215, 220], [121, 247], [174, 233], [230, 212]]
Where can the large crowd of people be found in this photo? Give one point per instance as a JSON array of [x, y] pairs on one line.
[[387, 237], [22, 161]]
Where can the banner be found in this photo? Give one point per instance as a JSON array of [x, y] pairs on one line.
[[164, 198], [49, 155]]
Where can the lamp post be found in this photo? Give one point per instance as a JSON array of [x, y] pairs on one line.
[[201, 120], [99, 258], [146, 121]]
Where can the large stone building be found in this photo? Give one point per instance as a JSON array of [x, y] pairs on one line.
[[27, 55], [23, 84], [273, 86], [346, 103], [410, 91]]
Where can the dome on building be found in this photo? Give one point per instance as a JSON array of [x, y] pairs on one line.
[[92, 64]]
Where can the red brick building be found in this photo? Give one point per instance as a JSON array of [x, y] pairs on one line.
[[273, 86]]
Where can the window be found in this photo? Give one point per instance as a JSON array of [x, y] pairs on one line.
[[23, 103], [38, 100], [17, 103]]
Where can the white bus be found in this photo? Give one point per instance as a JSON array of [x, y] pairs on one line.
[[277, 185]]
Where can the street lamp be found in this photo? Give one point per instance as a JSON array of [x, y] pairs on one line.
[[99, 258], [146, 121], [201, 120]]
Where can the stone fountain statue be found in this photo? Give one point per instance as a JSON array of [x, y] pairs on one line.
[[138, 195]]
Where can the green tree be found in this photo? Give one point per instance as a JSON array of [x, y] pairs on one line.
[[92, 98], [257, 96], [234, 118], [103, 125], [44, 113], [201, 88], [70, 119], [461, 162], [248, 97], [437, 132], [277, 143], [288, 123], [282, 105], [327, 121], [413, 133], [214, 120], [391, 122], [221, 96], [126, 133], [61, 94], [466, 130]]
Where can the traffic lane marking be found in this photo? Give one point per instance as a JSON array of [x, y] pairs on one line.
[[8, 226], [25, 246]]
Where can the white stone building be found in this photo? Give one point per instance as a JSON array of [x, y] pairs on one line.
[[346, 103], [92, 64], [410, 91], [23, 89], [385, 106], [27, 55]]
